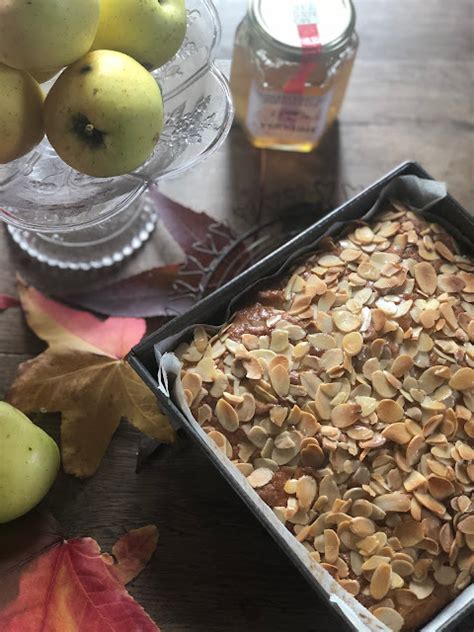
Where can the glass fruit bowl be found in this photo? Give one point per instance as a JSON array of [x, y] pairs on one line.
[[72, 221]]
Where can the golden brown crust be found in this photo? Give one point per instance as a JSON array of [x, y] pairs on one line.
[[344, 394]]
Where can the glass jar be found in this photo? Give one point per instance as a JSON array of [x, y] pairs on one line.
[[291, 66]]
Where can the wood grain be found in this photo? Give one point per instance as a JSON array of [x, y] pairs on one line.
[[216, 569]]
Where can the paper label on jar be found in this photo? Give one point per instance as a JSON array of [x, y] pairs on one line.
[[290, 117]]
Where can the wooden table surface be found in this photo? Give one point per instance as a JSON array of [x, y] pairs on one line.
[[216, 569]]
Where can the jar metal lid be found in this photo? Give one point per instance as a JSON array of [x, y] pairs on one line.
[[286, 22]]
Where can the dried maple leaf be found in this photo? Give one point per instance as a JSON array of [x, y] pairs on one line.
[[69, 585], [83, 375], [7, 301]]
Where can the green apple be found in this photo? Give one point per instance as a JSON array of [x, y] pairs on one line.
[[21, 113], [45, 34], [150, 31], [104, 114], [29, 462]]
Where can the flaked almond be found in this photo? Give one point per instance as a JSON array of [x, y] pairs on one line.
[[430, 503], [450, 283], [389, 617], [204, 414], [279, 341], [246, 410], [278, 415], [422, 589], [380, 582], [389, 411], [351, 585], [331, 546], [466, 525], [260, 477], [425, 276], [322, 342], [403, 568], [443, 250], [280, 380], [352, 343], [227, 416], [306, 490], [221, 442], [312, 456], [253, 368], [401, 365], [413, 481], [382, 385], [192, 382], [362, 526], [463, 379], [409, 532], [440, 488], [445, 575], [346, 321], [397, 433], [428, 318], [395, 501], [345, 415], [414, 449]]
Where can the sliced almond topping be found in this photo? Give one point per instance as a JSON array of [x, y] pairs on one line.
[[374, 561], [322, 342], [450, 283], [351, 585], [413, 481], [380, 582], [401, 365], [463, 379], [393, 502], [280, 380], [244, 468], [278, 415], [422, 589], [246, 410], [389, 411], [397, 433], [192, 382], [227, 415], [362, 526], [346, 321], [306, 490], [403, 568], [390, 617], [467, 525], [409, 532], [204, 414], [221, 442], [445, 575], [430, 503], [331, 546], [425, 276], [345, 415], [260, 477], [440, 488], [382, 386], [312, 456], [352, 343]]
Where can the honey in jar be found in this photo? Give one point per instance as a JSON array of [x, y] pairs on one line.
[[291, 66]]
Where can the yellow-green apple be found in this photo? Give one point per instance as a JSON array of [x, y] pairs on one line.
[[29, 462], [104, 114], [45, 34], [150, 31], [21, 113]]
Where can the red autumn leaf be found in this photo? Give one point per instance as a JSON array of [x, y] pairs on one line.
[[131, 553], [64, 327], [70, 587], [7, 301]]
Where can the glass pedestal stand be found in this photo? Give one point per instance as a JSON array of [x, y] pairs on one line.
[[103, 245]]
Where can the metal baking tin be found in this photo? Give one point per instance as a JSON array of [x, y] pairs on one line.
[[212, 311]]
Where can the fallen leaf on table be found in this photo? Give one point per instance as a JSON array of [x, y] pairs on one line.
[[131, 553], [83, 376], [68, 585], [171, 290], [7, 301]]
